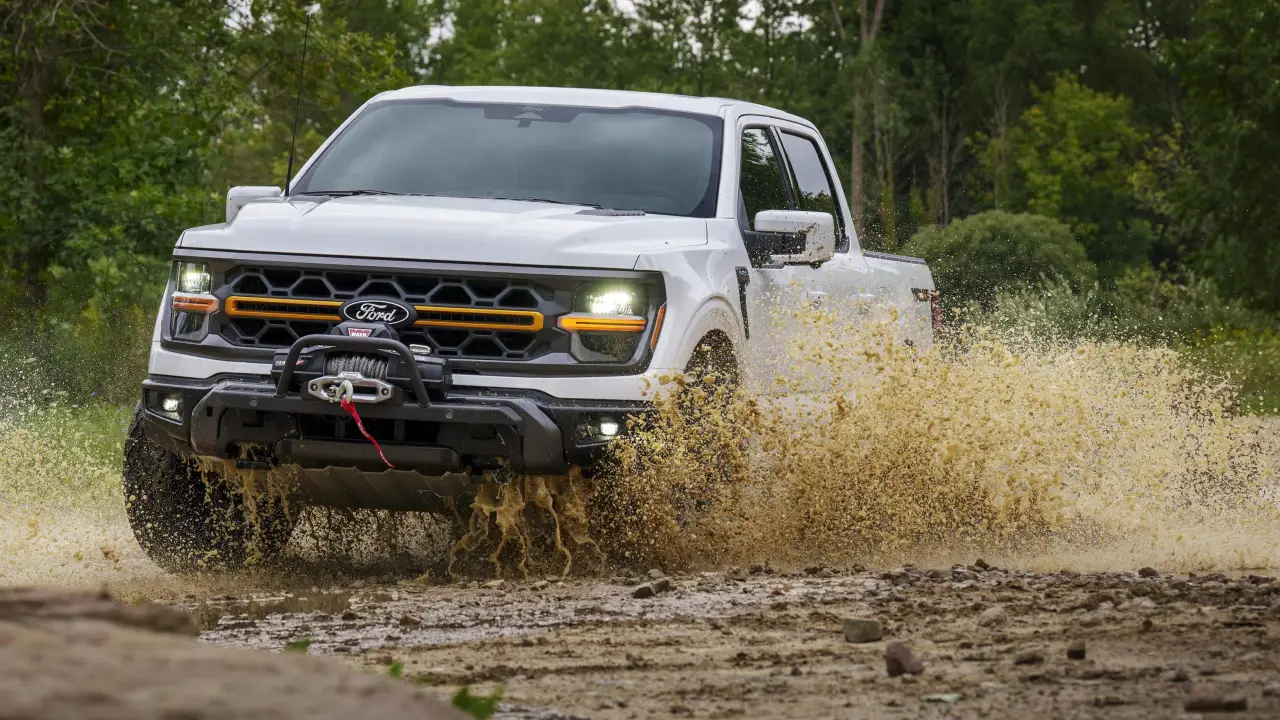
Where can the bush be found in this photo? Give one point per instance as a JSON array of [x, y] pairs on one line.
[[977, 258]]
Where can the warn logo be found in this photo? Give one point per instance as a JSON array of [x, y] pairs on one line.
[[359, 332]]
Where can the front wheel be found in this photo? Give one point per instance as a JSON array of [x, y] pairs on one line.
[[188, 520]]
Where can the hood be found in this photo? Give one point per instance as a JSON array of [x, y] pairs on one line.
[[471, 230]]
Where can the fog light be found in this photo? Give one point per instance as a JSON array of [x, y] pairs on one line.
[[608, 428], [170, 404]]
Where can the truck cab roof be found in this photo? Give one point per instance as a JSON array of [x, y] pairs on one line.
[[716, 106]]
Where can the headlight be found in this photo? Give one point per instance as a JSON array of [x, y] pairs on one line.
[[607, 322], [193, 278], [191, 301], [611, 302]]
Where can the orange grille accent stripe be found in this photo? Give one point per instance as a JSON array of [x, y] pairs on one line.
[[478, 318], [274, 308]]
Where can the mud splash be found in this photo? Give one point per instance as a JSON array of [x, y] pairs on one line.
[[854, 449], [867, 451], [532, 516]]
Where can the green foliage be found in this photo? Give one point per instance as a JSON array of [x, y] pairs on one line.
[[976, 258], [396, 669], [480, 707], [1231, 71], [1073, 154]]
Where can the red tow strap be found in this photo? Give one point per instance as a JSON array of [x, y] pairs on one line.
[[350, 407]]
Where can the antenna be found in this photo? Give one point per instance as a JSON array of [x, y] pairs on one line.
[[297, 107]]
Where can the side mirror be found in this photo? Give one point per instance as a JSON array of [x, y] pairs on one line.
[[238, 197], [799, 237]]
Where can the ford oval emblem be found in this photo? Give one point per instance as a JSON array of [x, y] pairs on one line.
[[377, 310]]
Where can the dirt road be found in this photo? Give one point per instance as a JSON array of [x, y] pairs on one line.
[[758, 643]]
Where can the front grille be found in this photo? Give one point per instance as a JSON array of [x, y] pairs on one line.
[[458, 316]]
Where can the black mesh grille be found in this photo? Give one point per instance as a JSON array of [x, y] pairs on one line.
[[513, 338]]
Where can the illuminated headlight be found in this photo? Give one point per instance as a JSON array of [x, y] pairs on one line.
[[607, 322], [191, 301], [608, 428], [193, 278], [611, 302]]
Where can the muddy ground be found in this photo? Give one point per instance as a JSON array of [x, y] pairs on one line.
[[752, 642]]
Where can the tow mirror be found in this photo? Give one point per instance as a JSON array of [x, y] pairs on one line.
[[796, 237], [238, 197]]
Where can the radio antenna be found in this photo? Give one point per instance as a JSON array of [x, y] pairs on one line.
[[297, 106]]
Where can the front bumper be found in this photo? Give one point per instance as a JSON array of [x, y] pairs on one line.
[[466, 431]]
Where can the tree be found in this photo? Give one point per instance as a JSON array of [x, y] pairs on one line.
[[1073, 154], [1231, 70]]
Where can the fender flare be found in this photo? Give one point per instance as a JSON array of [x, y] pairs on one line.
[[715, 314]]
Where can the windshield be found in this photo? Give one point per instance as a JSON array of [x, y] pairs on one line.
[[624, 159]]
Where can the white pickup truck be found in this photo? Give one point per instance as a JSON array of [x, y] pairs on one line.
[[492, 279]]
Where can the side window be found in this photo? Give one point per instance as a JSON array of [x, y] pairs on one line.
[[761, 185], [813, 182]]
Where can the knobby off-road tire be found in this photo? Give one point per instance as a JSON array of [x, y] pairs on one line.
[[189, 521]]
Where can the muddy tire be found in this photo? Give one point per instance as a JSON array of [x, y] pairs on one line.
[[190, 521], [714, 367]]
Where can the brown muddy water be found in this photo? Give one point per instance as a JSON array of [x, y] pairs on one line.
[[862, 481]]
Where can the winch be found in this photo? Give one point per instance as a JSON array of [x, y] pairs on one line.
[[363, 363]]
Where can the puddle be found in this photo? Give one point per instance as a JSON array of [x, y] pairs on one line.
[[238, 613]]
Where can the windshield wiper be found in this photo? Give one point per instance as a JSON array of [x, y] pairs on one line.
[[542, 200], [349, 193]]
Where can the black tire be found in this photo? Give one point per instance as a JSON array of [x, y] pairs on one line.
[[190, 521]]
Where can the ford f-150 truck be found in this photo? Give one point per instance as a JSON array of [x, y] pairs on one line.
[[472, 282]]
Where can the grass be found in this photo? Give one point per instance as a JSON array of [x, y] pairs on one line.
[[480, 707], [301, 645]]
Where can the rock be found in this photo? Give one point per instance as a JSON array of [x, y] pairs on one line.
[[1271, 690], [74, 655], [947, 698], [350, 615], [898, 660], [643, 592], [1076, 650], [1031, 657], [655, 573], [1109, 701], [992, 616], [795, 671], [541, 585], [862, 630], [409, 621], [494, 584], [1178, 675], [663, 585], [1149, 572], [1215, 700]]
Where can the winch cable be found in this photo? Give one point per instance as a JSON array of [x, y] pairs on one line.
[[344, 400]]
